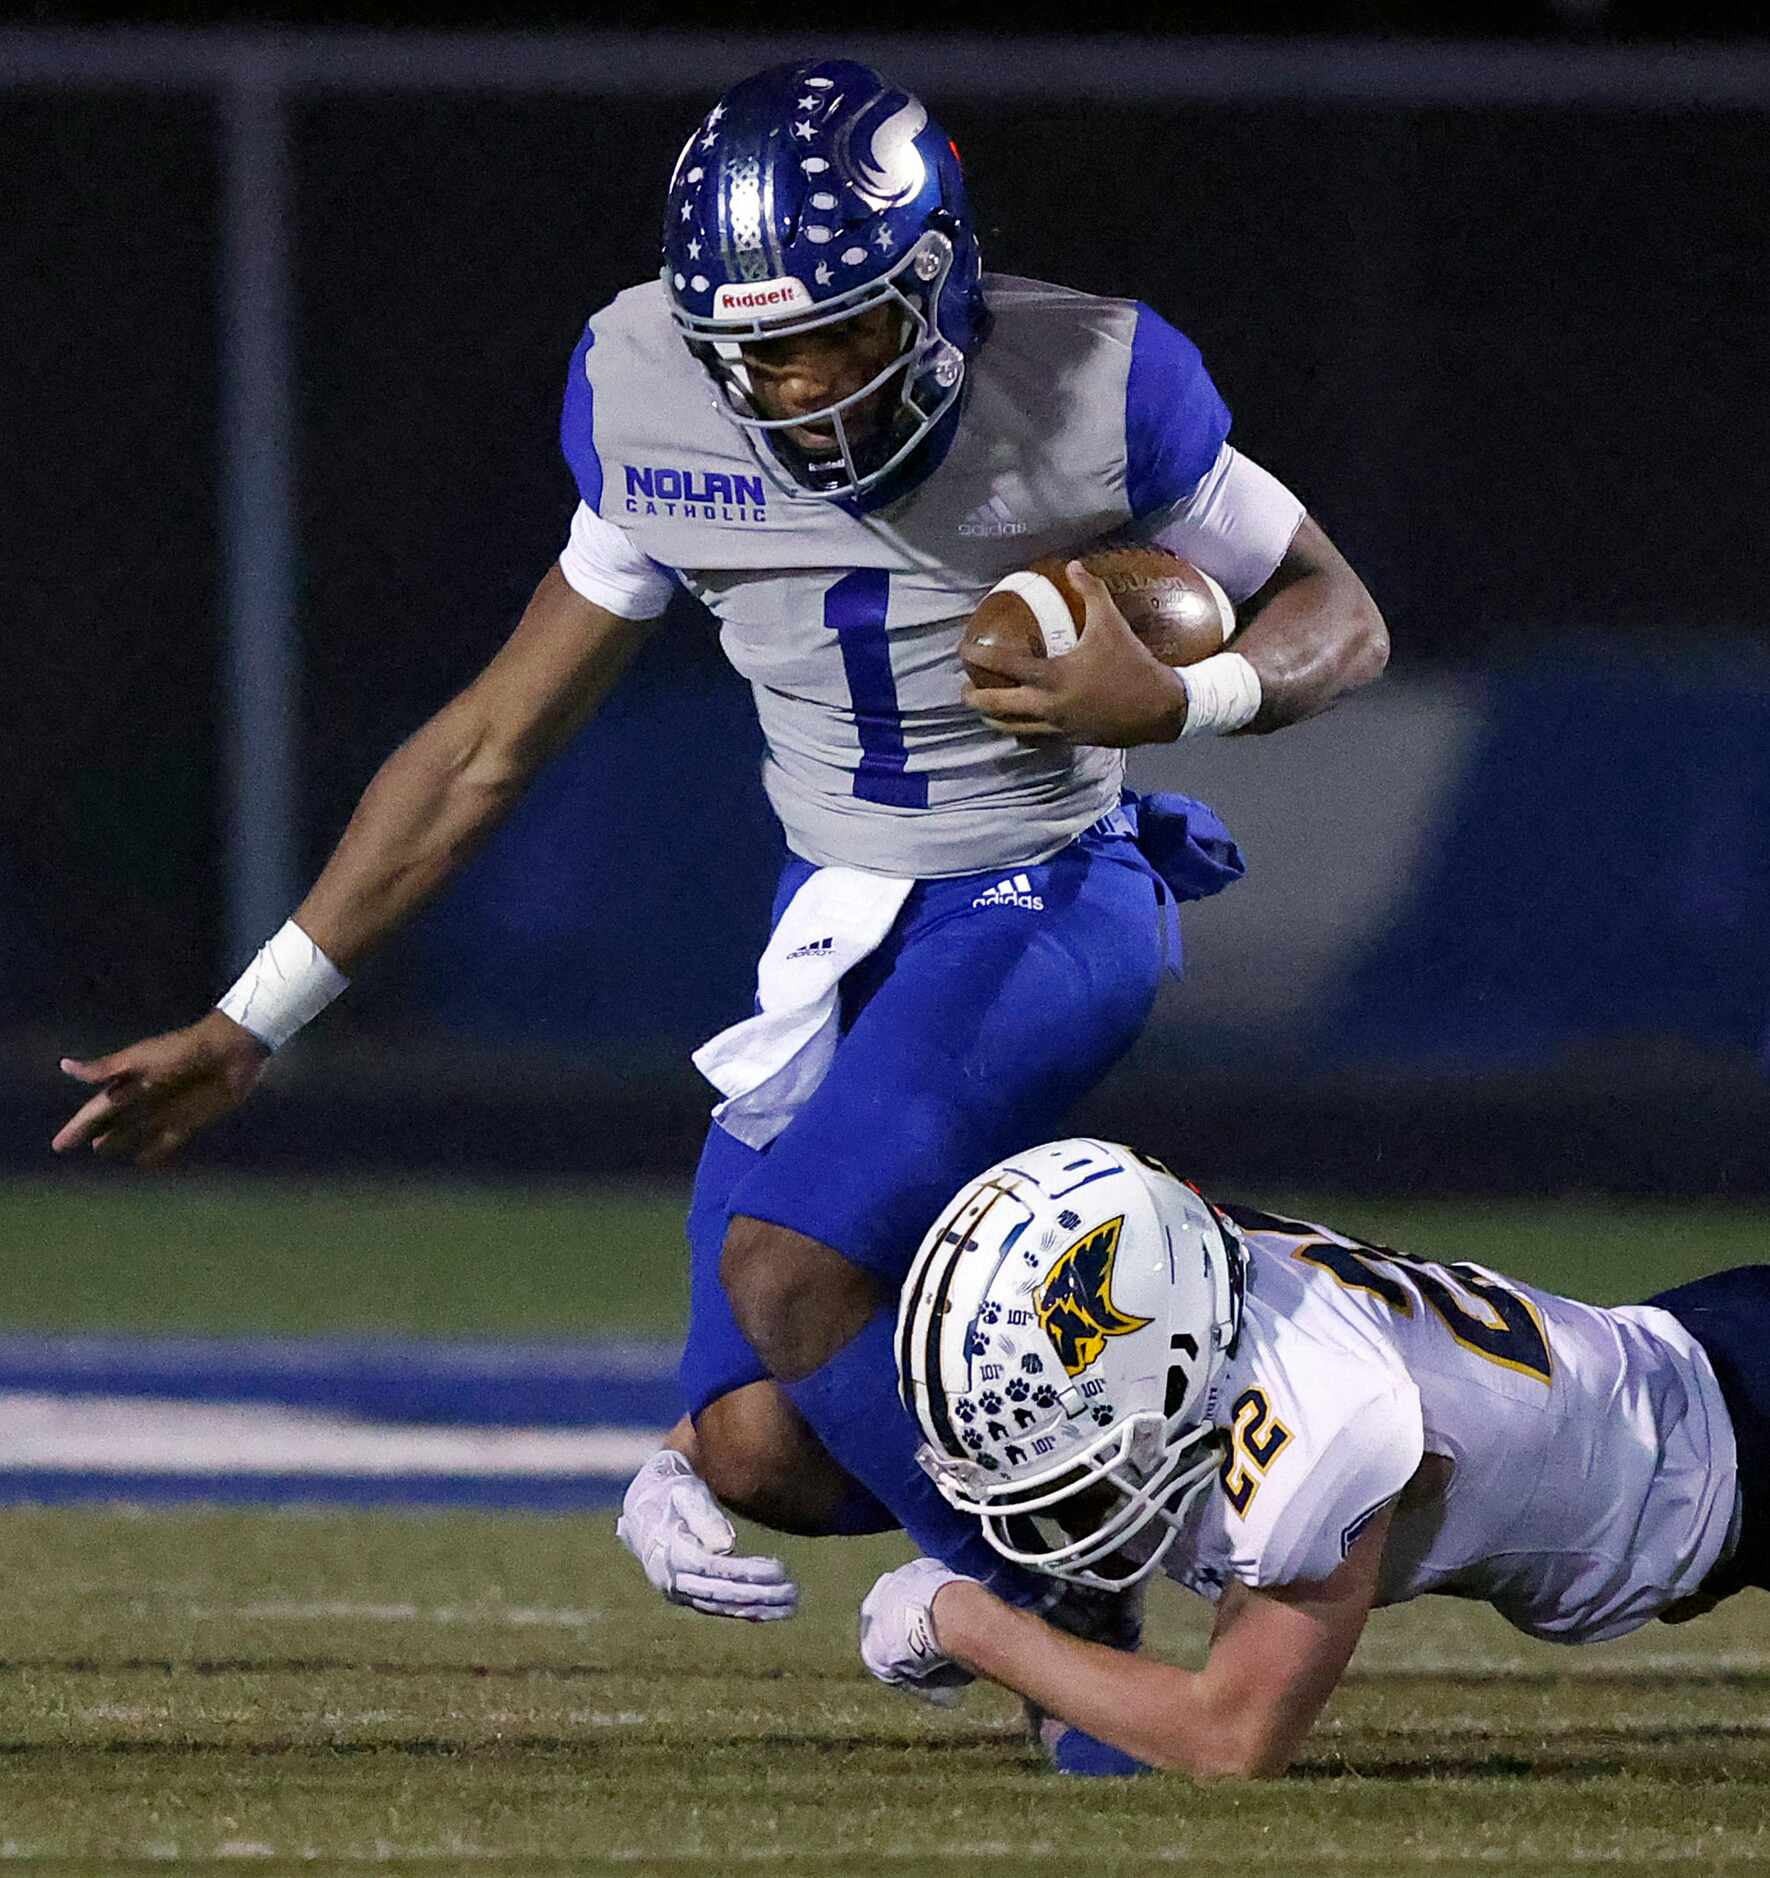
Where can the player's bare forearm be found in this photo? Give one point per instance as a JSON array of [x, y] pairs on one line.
[[1276, 1656], [434, 800], [428, 808], [442, 792], [1155, 1711], [1312, 633]]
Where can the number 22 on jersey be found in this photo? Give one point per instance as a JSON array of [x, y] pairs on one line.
[[1256, 1439], [1502, 1327]]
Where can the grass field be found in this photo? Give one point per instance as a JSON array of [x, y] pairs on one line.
[[457, 1692]]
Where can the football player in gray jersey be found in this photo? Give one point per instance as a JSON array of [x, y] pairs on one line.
[[830, 426]]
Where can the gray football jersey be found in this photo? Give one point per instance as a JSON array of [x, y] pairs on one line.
[[1082, 413]]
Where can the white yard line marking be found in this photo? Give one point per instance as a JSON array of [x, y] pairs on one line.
[[330, 1610], [155, 1435], [1688, 1854]]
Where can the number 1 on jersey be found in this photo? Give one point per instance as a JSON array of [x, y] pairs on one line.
[[854, 610]]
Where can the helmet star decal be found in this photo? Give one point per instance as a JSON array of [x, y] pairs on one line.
[[1074, 1305]]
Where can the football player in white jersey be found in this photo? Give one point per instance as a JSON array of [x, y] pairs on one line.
[[829, 425], [1116, 1376]]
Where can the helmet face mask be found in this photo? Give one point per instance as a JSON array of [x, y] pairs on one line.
[[811, 194], [928, 373], [1110, 1515], [1061, 1336]]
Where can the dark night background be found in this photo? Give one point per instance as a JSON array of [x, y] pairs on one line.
[[1513, 356], [1523, 19]]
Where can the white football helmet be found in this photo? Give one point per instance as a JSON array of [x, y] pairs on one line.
[[1059, 1338]]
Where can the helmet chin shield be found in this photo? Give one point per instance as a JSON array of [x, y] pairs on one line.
[[927, 371], [1063, 1333]]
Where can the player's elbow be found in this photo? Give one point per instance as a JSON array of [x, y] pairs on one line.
[[1220, 1760], [1224, 1742], [1237, 1760], [1365, 642], [495, 775], [474, 759]]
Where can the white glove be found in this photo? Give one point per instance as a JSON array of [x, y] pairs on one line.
[[672, 1524], [897, 1640]]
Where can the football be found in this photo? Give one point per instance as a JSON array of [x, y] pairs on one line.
[[1177, 610]]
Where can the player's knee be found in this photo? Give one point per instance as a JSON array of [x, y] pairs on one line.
[[763, 1463], [796, 1300]]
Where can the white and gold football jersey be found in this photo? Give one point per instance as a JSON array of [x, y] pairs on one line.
[[1590, 1458]]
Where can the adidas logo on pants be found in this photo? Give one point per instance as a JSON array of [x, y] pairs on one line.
[[1015, 891]]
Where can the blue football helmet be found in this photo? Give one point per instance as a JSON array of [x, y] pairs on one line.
[[809, 194]]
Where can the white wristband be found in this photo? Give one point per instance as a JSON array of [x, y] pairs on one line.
[[287, 985], [1222, 694]]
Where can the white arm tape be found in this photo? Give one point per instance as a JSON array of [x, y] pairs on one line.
[[1222, 694], [287, 985]]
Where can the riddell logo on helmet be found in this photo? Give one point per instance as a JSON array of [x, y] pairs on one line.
[[762, 296]]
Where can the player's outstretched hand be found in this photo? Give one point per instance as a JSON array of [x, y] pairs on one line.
[[685, 1545], [1111, 690], [897, 1640], [153, 1096]]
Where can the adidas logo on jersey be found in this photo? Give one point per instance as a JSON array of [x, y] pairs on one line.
[[813, 949], [1016, 891], [992, 519]]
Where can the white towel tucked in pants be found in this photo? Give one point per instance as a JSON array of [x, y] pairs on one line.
[[768, 1066]]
